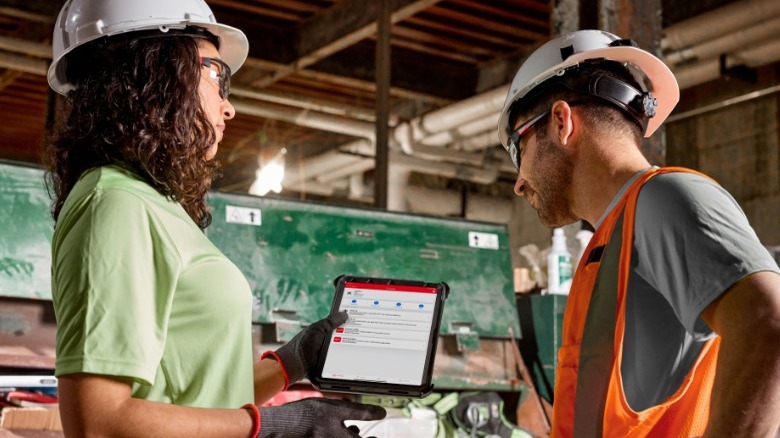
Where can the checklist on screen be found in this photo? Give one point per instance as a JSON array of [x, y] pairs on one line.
[[386, 336]]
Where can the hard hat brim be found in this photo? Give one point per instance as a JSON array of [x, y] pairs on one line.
[[233, 48]]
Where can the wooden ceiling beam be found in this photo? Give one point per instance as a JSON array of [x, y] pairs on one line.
[[8, 77], [34, 8], [256, 9], [365, 85], [411, 70], [338, 27], [345, 24]]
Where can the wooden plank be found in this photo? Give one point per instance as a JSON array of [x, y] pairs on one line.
[[257, 10], [35, 8], [346, 23], [531, 413], [513, 14], [26, 15], [452, 46], [337, 28], [443, 53], [268, 39], [483, 22], [412, 70], [308, 7], [361, 84], [535, 5], [474, 33]]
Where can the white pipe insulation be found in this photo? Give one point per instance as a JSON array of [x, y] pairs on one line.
[[309, 119], [724, 20], [466, 111], [745, 38], [710, 70]]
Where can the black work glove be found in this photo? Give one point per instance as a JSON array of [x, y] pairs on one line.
[[316, 418], [301, 355]]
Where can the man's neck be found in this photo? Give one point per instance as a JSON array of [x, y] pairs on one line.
[[600, 174]]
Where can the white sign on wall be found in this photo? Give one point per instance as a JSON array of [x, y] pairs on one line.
[[483, 240], [243, 215]]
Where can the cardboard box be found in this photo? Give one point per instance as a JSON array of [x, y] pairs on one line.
[[30, 419]]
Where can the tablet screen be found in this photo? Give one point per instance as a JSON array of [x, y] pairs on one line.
[[386, 336]]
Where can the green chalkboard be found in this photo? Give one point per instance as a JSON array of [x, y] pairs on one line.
[[26, 228], [293, 255], [291, 252]]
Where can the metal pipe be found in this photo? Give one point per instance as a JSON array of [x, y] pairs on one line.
[[310, 119], [465, 130], [318, 165], [468, 110], [307, 103]]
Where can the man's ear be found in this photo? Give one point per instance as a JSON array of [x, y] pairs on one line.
[[563, 123]]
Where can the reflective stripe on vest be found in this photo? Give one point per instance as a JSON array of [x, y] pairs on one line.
[[589, 399]]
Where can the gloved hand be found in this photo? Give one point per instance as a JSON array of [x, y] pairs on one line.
[[300, 356], [316, 418]]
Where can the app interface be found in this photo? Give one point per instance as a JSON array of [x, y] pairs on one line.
[[385, 338]]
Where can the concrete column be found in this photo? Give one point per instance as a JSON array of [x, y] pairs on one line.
[[564, 16], [639, 20]]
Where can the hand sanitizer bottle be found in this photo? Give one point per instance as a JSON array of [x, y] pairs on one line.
[[559, 272]]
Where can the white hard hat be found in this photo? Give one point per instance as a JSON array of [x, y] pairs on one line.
[[558, 55], [81, 21]]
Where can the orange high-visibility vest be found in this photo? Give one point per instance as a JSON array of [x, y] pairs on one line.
[[589, 399]]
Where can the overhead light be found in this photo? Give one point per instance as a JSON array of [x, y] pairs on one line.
[[269, 176]]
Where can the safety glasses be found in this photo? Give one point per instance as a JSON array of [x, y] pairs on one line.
[[515, 151], [514, 140], [219, 72]]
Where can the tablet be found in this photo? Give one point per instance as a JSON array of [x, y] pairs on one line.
[[388, 344]]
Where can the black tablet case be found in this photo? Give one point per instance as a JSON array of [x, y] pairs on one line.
[[357, 386]]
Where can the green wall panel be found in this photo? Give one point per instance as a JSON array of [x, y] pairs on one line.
[[292, 257], [26, 228]]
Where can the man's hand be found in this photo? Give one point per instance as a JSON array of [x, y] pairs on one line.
[[300, 356], [316, 418]]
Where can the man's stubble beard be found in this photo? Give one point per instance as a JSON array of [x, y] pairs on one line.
[[553, 185]]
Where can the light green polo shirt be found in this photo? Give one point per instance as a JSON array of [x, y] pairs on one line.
[[139, 291]]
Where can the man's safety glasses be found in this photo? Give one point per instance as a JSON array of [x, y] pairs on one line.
[[515, 151], [221, 75], [514, 140]]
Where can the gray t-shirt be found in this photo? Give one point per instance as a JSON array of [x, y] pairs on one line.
[[692, 242]]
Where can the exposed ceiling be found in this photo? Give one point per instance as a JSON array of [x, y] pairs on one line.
[[309, 86]]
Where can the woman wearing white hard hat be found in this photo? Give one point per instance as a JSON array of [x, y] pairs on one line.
[[674, 283], [154, 322]]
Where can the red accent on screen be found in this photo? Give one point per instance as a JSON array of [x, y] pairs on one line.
[[392, 287], [337, 339], [340, 330]]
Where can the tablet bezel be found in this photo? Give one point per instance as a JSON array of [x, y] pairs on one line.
[[361, 387]]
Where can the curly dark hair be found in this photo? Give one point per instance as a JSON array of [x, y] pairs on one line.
[[135, 104]]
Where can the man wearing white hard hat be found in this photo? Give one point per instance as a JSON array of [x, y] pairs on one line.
[[672, 325], [153, 321]]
